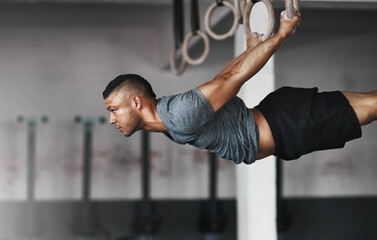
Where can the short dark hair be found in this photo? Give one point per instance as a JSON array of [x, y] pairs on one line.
[[134, 78]]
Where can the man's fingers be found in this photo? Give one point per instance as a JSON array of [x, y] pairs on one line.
[[288, 26], [257, 35], [284, 14]]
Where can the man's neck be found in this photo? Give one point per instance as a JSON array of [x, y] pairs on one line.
[[151, 118]]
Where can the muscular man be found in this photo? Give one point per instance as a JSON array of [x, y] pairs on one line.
[[288, 123]]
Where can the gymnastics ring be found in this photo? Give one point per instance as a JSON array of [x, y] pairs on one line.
[[292, 6], [240, 7], [173, 68], [186, 44], [207, 20], [271, 18]]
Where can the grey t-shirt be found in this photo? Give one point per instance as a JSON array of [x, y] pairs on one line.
[[230, 132]]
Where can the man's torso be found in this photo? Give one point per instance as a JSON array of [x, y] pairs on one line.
[[230, 132]]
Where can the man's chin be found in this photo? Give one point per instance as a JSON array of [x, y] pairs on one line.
[[128, 134]]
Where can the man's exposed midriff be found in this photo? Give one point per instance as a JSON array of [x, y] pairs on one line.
[[266, 143]]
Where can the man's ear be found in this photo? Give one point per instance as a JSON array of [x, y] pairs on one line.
[[136, 102]]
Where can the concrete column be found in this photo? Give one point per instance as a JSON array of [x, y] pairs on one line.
[[256, 184]]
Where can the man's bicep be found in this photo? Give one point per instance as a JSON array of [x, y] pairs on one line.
[[220, 90]]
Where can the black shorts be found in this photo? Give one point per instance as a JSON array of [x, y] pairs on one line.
[[303, 120]]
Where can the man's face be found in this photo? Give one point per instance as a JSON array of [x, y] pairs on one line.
[[122, 113]]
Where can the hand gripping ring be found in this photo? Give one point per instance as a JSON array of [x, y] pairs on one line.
[[207, 18], [271, 18], [186, 44], [173, 68]]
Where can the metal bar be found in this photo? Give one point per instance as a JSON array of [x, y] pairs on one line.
[[145, 167], [213, 176], [279, 182], [87, 168], [31, 211], [31, 161], [283, 216]]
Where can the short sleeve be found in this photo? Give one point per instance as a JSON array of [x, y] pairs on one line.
[[185, 114]]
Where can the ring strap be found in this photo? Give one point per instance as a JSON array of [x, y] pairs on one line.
[[178, 22], [240, 7], [195, 24]]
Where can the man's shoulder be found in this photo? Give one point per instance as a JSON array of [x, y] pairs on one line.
[[179, 96], [184, 113], [182, 101]]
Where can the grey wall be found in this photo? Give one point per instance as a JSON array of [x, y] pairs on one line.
[[333, 50], [56, 59]]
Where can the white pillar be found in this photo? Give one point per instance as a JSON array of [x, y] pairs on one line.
[[256, 184]]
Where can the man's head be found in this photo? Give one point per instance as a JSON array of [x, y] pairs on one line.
[[124, 100]]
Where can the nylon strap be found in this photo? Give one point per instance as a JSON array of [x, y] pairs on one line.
[[178, 22], [195, 25]]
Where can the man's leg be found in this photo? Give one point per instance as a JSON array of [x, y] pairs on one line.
[[364, 105]]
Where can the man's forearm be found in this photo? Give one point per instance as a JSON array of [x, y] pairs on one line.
[[252, 41], [253, 60], [231, 64]]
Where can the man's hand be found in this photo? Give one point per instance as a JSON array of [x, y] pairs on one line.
[[253, 40], [288, 26]]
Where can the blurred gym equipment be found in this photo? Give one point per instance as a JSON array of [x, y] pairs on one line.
[[88, 229], [212, 219], [146, 222], [33, 229]]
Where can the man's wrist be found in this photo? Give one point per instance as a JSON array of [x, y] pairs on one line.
[[281, 36]]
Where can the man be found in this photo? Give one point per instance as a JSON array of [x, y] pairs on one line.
[[288, 123]]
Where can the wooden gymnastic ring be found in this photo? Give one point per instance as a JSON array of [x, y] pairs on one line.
[[173, 67], [207, 18], [291, 6], [240, 7], [186, 44], [271, 18]]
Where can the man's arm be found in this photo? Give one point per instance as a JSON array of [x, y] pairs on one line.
[[226, 85], [252, 41]]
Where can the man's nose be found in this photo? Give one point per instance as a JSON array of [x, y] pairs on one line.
[[112, 119]]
